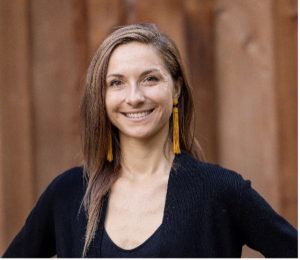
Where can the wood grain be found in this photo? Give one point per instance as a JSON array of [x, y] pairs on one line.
[[16, 163], [59, 53], [285, 39]]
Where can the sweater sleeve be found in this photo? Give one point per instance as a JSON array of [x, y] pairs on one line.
[[36, 238], [263, 229]]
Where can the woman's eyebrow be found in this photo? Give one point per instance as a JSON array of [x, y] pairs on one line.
[[115, 75], [149, 71]]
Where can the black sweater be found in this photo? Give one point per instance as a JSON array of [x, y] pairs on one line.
[[209, 212]]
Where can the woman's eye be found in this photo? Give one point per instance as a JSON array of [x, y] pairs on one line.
[[115, 83], [151, 79]]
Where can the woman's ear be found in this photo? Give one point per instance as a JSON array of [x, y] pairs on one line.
[[177, 87]]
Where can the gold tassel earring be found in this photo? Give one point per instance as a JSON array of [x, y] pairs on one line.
[[109, 150], [176, 147]]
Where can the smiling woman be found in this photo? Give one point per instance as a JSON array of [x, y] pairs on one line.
[[143, 190]]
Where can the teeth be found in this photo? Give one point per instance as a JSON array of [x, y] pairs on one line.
[[138, 114]]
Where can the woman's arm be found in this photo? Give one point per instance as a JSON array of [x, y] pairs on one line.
[[263, 229]]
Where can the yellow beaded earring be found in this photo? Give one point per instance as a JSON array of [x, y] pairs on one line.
[[176, 147], [109, 150]]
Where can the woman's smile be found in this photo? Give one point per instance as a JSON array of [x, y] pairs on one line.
[[138, 115]]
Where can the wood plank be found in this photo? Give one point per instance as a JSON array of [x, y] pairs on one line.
[[59, 64], [248, 130], [247, 104], [285, 34], [199, 33], [167, 15], [17, 183], [103, 16]]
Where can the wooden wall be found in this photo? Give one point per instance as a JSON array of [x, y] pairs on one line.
[[242, 58]]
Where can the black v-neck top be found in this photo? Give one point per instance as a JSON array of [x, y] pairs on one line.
[[209, 212], [148, 249]]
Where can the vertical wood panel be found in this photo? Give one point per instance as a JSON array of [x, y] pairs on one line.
[[247, 98], [103, 15], [285, 37], [167, 15], [15, 119], [199, 41], [247, 109], [59, 62]]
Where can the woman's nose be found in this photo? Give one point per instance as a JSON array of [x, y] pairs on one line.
[[135, 95]]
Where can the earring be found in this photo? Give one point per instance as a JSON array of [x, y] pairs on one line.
[[176, 147], [109, 156]]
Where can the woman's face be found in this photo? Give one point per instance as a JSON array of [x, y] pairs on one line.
[[140, 91]]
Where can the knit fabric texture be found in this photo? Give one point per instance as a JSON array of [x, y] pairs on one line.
[[209, 212]]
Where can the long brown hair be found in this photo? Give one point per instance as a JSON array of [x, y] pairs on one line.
[[96, 126]]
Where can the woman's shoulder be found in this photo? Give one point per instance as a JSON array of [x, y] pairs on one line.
[[211, 174], [63, 193], [70, 176], [71, 181]]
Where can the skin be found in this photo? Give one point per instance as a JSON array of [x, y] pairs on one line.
[[138, 81]]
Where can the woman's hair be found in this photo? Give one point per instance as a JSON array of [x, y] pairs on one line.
[[96, 126]]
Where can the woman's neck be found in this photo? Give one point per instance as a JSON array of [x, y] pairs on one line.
[[141, 158]]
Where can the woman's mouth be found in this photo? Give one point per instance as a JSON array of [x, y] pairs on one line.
[[138, 115]]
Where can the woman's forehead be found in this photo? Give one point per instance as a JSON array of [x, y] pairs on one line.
[[134, 56]]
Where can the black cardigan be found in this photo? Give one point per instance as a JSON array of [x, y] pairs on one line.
[[209, 212]]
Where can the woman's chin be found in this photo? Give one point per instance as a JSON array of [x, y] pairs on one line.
[[146, 132], [137, 136]]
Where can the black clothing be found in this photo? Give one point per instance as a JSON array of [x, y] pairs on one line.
[[149, 248], [209, 212]]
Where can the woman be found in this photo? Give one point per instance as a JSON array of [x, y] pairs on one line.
[[142, 192]]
